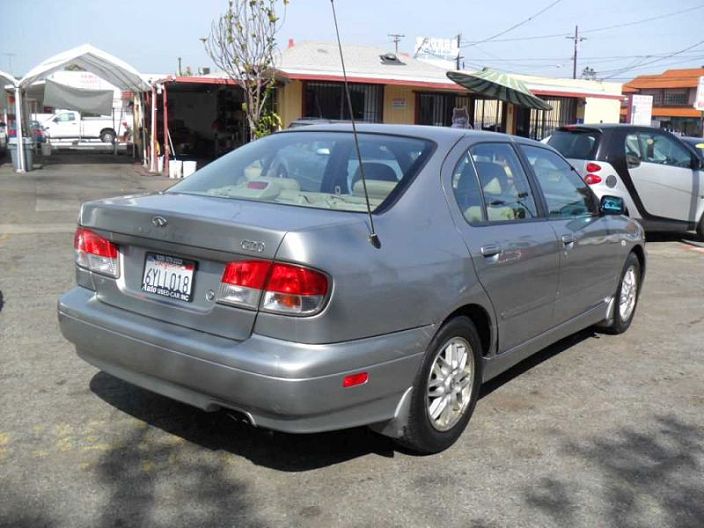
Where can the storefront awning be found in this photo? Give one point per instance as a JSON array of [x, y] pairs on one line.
[[498, 85]]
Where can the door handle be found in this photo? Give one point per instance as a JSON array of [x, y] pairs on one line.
[[567, 240], [490, 250]]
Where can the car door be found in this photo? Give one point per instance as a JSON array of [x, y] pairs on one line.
[[514, 251], [65, 125], [589, 262], [664, 179]]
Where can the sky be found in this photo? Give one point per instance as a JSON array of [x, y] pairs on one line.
[[151, 34]]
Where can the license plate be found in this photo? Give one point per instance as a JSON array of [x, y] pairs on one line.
[[168, 276]]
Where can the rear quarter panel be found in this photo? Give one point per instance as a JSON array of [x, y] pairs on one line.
[[421, 273]]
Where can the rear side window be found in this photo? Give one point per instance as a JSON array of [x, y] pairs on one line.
[[575, 144], [565, 193], [312, 169], [504, 186]]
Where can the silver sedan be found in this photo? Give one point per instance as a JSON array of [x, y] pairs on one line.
[[336, 294]]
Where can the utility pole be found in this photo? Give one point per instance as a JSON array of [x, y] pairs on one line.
[[577, 39], [9, 61], [396, 37], [457, 60]]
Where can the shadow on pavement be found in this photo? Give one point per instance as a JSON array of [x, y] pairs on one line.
[[684, 238], [83, 158], [645, 479], [536, 359], [219, 431], [134, 474], [281, 451]]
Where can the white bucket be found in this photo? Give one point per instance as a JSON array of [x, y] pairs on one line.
[[46, 149], [175, 168], [189, 167], [160, 164]]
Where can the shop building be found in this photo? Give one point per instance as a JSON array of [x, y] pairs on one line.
[[673, 93]]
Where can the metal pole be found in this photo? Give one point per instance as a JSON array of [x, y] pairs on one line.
[[166, 133], [153, 161], [18, 128]]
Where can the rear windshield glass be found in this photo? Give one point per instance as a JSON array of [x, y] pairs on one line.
[[312, 169], [575, 144]]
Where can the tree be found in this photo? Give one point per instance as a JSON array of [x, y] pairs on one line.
[[589, 74], [241, 43]]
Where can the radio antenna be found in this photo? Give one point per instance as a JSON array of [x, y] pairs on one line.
[[373, 237]]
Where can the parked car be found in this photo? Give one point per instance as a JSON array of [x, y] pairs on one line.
[[3, 138], [238, 290], [66, 124], [696, 143], [38, 134], [659, 177]]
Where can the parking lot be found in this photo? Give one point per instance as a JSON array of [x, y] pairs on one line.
[[594, 431]]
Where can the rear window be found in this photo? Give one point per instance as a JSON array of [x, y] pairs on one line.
[[312, 169], [575, 144]]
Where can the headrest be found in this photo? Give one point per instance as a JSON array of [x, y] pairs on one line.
[[376, 188]]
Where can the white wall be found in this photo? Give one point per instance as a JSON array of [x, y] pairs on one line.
[[600, 110]]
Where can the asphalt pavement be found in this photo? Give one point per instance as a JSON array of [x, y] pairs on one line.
[[594, 431]]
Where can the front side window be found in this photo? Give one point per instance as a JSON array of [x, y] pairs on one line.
[[565, 192], [312, 169], [663, 150], [505, 188]]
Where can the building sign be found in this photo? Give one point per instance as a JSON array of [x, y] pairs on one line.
[[439, 51], [641, 109], [398, 103], [699, 98]]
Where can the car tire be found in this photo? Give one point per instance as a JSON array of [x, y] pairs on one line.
[[457, 382], [700, 229], [626, 299], [107, 136]]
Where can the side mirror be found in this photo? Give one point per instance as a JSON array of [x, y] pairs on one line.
[[612, 205], [632, 161], [697, 163]]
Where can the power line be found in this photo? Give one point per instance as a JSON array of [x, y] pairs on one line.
[[519, 24], [674, 54], [593, 30]]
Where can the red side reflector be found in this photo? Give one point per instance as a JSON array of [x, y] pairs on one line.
[[593, 167], [592, 179], [287, 278], [355, 379], [247, 273], [89, 242]]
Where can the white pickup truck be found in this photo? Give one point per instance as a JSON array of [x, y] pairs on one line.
[[70, 124]]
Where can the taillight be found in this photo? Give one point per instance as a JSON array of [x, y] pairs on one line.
[[95, 252], [273, 287], [593, 167], [592, 179]]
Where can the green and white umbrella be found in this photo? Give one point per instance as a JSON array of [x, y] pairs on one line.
[[498, 85]]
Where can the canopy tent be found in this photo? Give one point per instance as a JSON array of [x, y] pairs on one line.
[[59, 95], [88, 58], [498, 85]]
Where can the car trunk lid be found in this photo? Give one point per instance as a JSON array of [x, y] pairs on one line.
[[203, 232]]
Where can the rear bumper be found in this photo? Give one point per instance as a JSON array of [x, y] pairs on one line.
[[278, 384]]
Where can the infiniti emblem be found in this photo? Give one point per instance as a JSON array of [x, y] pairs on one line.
[[159, 221]]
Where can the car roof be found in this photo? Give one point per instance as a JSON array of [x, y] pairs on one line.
[[601, 127], [434, 133]]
